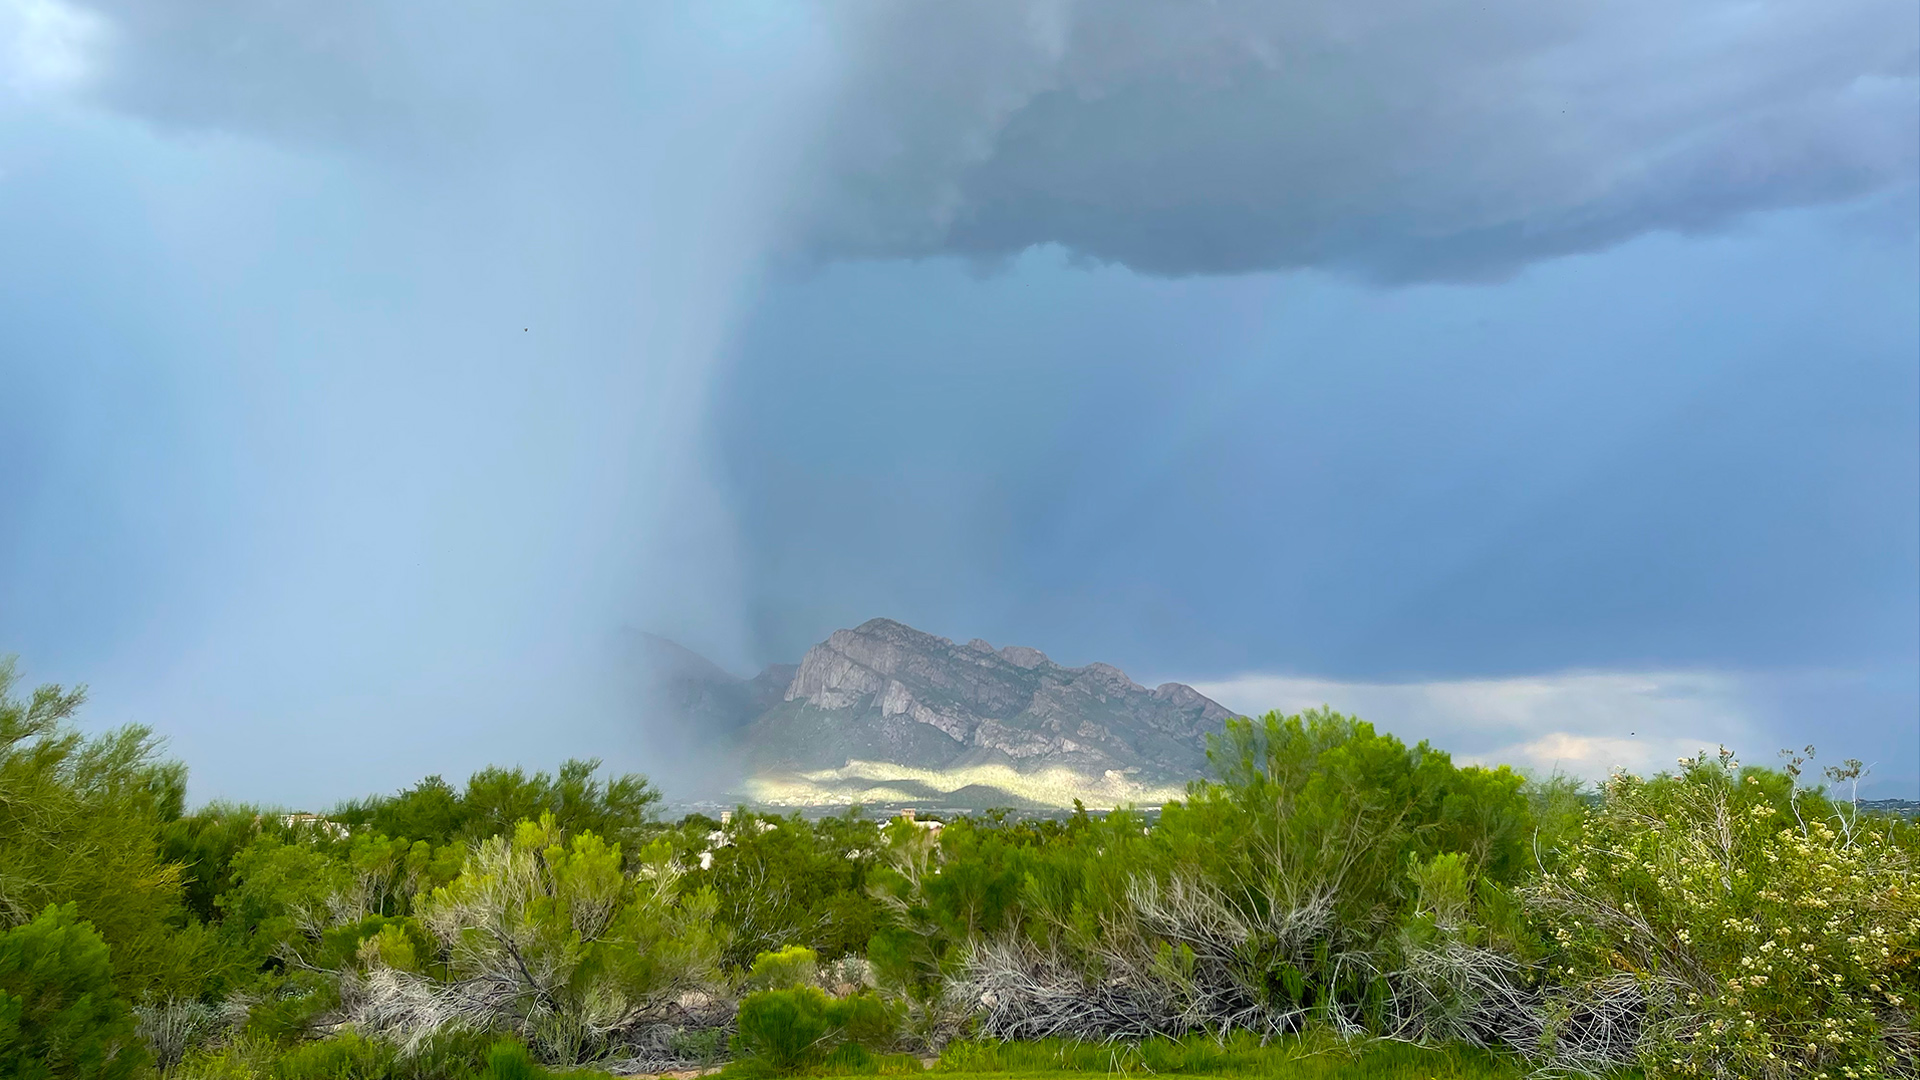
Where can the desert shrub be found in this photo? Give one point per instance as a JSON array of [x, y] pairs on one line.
[[1320, 811], [788, 1030], [451, 1053], [1748, 928], [548, 937], [1274, 898], [292, 1007], [509, 1059], [703, 1046], [172, 1029], [785, 880], [785, 968], [59, 1018], [242, 1058], [343, 1057]]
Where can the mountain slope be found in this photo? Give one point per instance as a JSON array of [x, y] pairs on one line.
[[884, 697], [692, 715], [887, 713]]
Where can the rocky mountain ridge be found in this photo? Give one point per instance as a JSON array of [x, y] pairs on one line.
[[884, 709], [886, 685]]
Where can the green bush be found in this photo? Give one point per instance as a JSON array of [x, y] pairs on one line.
[[243, 1058], [576, 937], [789, 1030], [1270, 898], [509, 1060], [58, 1016], [821, 870], [450, 1053], [79, 824], [343, 1057], [785, 969], [786, 1029], [293, 1006], [702, 1045], [579, 797], [1769, 932]]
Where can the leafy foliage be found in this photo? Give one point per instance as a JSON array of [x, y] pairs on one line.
[[59, 1019], [342, 1057], [785, 969], [1333, 883], [1279, 896], [78, 818], [1769, 932], [546, 933], [787, 1030], [786, 880], [494, 800]]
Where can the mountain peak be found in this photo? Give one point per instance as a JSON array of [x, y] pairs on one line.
[[886, 692], [895, 706]]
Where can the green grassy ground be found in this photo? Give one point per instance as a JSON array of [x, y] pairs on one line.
[[1313, 1057]]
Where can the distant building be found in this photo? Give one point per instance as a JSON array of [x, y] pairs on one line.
[[723, 836], [317, 823], [933, 827]]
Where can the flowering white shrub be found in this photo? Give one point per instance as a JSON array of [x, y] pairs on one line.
[[1762, 930]]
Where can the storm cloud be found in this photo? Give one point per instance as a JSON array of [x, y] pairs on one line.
[[1399, 141], [368, 366], [357, 360]]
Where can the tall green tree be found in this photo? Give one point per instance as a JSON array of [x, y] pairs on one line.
[[494, 800], [79, 822]]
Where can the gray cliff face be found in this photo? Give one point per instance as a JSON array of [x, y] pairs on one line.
[[887, 692]]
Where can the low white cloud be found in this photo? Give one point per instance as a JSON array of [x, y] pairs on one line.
[[1584, 724], [46, 45]]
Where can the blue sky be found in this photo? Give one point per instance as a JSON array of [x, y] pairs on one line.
[[1545, 383]]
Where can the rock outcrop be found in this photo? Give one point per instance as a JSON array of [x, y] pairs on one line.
[[884, 691]]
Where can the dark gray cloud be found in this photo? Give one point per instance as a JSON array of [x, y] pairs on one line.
[[444, 83], [1405, 140], [342, 71], [1683, 455], [1401, 141]]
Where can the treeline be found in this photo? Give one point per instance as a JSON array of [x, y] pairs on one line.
[[1717, 920]]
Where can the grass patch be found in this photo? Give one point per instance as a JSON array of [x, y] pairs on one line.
[[1311, 1057]]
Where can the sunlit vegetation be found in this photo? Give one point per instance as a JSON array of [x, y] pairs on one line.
[[1335, 904]]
